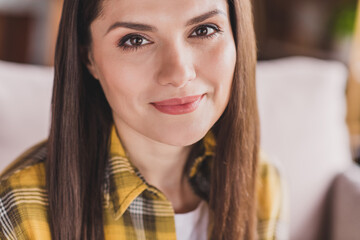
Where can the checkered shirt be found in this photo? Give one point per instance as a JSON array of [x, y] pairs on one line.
[[132, 208]]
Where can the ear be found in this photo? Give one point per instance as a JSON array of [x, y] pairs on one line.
[[88, 60]]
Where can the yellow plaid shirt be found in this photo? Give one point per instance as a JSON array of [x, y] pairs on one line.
[[132, 208]]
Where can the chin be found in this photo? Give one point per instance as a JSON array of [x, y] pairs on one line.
[[182, 137]]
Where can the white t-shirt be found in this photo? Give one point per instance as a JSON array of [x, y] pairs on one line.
[[193, 225]]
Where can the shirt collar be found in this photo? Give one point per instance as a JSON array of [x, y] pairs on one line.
[[125, 183]]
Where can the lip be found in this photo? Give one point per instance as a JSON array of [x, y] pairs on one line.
[[177, 106]]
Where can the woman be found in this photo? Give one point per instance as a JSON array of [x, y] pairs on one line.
[[154, 129]]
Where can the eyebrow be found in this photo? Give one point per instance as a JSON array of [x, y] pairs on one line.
[[149, 28], [205, 16]]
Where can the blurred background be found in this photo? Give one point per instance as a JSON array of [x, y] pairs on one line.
[[317, 28], [308, 81], [28, 30], [323, 29]]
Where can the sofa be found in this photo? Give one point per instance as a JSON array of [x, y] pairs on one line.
[[302, 111], [302, 107]]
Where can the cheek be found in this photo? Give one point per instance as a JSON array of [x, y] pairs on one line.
[[219, 68], [121, 82], [122, 77]]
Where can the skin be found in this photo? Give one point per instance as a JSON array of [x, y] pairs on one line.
[[175, 59]]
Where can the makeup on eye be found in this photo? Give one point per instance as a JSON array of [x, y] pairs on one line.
[[133, 41], [203, 30]]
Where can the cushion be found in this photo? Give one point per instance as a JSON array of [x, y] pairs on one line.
[[25, 99], [302, 109]]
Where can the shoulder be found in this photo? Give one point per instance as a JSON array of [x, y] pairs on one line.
[[269, 188], [26, 172], [23, 197], [32, 156], [271, 200], [268, 175]]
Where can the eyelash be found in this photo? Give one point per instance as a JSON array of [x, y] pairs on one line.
[[122, 42]]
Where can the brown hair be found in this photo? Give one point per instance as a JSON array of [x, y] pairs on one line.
[[81, 119]]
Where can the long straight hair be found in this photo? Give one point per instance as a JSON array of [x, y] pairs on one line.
[[80, 130]]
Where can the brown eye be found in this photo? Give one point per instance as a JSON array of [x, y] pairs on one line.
[[205, 31], [136, 41], [133, 41], [202, 31]]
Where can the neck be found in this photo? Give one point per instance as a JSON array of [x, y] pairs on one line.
[[162, 166]]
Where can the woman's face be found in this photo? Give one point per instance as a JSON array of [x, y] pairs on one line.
[[166, 67]]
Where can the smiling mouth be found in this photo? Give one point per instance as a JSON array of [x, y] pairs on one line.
[[177, 106]]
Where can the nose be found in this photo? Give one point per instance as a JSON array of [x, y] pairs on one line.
[[176, 67]]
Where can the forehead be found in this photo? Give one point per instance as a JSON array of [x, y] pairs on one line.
[[157, 11]]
